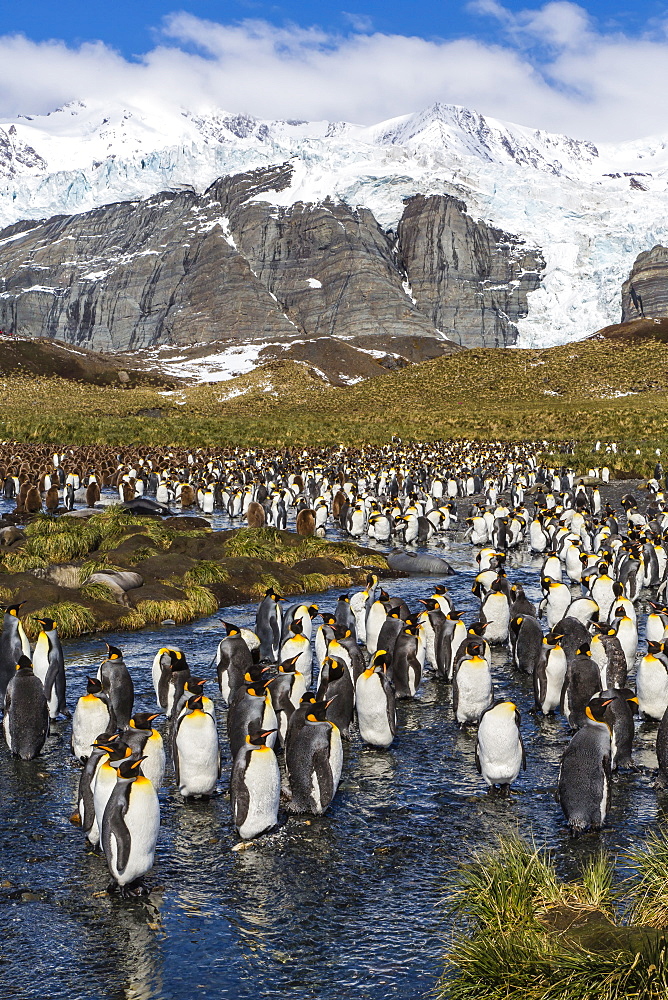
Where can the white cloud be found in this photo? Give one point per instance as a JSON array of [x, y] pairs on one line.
[[551, 67]]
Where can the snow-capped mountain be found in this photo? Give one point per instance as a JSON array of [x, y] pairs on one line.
[[589, 210]]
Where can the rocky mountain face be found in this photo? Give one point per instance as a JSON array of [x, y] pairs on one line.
[[471, 280], [233, 266], [645, 292]]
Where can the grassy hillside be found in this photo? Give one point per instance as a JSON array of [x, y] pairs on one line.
[[607, 387]]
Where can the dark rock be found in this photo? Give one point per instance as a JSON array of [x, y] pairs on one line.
[[187, 523], [226, 266], [645, 292], [470, 279]]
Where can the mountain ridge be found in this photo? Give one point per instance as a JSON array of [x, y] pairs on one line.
[[590, 209]]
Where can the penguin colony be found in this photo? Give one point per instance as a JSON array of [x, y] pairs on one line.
[[295, 690]]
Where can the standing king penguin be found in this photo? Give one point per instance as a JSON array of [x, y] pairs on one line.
[[130, 826], [48, 662]]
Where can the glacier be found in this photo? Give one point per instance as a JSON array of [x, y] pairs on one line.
[[590, 208]]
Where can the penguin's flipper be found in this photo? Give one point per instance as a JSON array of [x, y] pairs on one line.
[[119, 831], [241, 797], [320, 764], [478, 765], [524, 754]]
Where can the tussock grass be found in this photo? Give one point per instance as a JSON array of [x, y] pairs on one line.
[[257, 590], [98, 592], [22, 561], [527, 935], [132, 620], [198, 602], [269, 544], [566, 392], [207, 571], [138, 555], [6, 595], [73, 620], [314, 582], [650, 881]]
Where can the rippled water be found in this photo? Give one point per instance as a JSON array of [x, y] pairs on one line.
[[351, 904]]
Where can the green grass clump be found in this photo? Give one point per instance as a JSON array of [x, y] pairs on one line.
[[527, 935], [6, 595], [198, 602], [314, 582], [21, 561], [138, 555], [206, 572], [132, 620], [650, 881], [73, 620], [270, 545], [98, 592]]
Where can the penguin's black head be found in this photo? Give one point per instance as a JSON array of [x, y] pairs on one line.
[[47, 623], [131, 769], [308, 698], [177, 660], [231, 629], [93, 685], [255, 689], [24, 663], [297, 626], [13, 609], [195, 685], [430, 604], [328, 618], [596, 709], [474, 649], [313, 611], [336, 669], [583, 650], [318, 711], [289, 666], [617, 589], [345, 598], [113, 652], [653, 648], [194, 703], [258, 738], [143, 720]]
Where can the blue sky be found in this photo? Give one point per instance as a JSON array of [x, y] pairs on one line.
[[592, 70], [132, 27]]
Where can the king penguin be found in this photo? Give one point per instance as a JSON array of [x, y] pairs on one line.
[[13, 645], [130, 826], [255, 786], [48, 663], [314, 760], [196, 752], [499, 751], [117, 684], [375, 703], [585, 772], [26, 718], [93, 715]]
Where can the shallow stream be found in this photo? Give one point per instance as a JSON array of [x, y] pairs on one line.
[[352, 904]]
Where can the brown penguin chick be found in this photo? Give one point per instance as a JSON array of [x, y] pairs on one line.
[[128, 492], [21, 498], [92, 494], [187, 496], [255, 515], [337, 503], [305, 524], [33, 501], [52, 499]]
